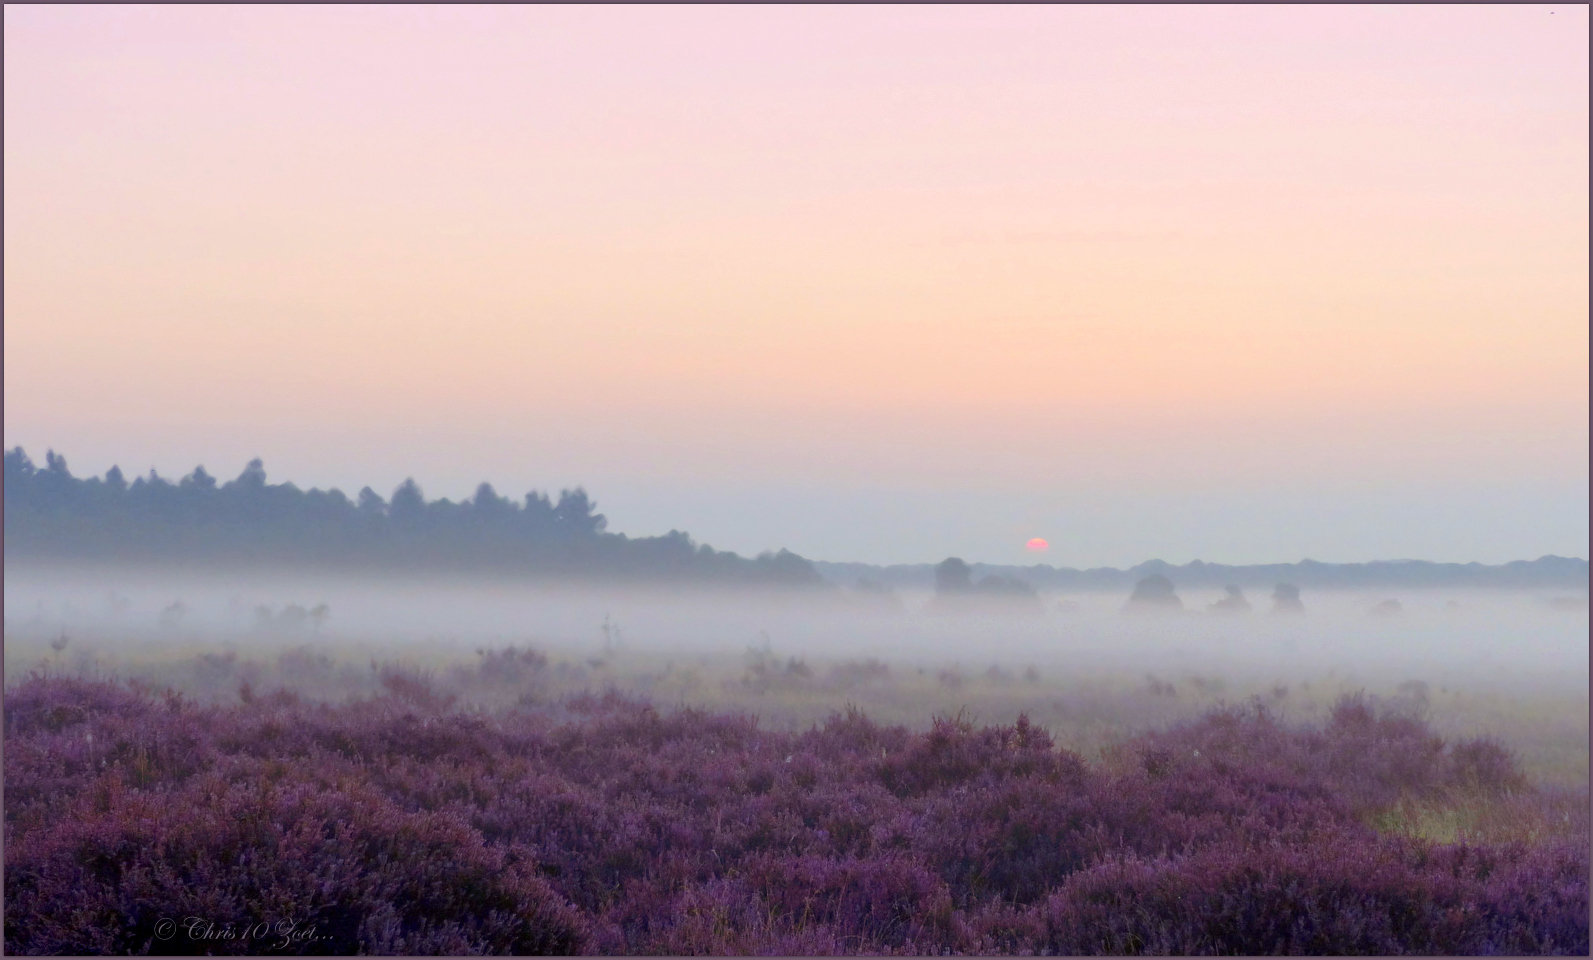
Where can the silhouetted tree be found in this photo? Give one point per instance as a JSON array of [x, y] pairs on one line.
[[788, 567], [1154, 593], [1233, 601], [371, 503], [952, 575], [253, 476], [955, 590], [408, 503], [488, 504], [198, 481], [18, 466], [1286, 599], [574, 514]]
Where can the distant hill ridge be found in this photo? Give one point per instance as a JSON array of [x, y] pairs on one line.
[[1544, 572]]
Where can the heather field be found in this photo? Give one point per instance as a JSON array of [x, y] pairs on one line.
[[312, 799]]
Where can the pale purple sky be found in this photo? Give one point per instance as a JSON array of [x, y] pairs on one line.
[[880, 283]]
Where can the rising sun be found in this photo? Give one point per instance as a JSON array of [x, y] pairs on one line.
[[1037, 545]]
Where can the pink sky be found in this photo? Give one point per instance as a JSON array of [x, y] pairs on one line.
[[1015, 264]]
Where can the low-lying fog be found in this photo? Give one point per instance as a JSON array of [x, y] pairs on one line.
[[1481, 637]]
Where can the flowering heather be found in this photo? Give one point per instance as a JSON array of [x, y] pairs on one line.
[[402, 823]]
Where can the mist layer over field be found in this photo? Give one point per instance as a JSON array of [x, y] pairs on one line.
[[1497, 637], [1512, 664]]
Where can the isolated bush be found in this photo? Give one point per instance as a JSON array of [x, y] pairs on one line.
[[511, 665], [1484, 764], [412, 687], [955, 752]]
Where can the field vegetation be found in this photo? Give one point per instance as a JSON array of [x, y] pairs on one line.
[[522, 800]]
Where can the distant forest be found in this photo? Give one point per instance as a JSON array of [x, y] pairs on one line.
[[51, 515], [196, 520], [1548, 572]]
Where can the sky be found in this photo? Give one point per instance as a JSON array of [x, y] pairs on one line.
[[887, 284]]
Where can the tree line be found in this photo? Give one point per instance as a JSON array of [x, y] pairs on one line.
[[51, 514]]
